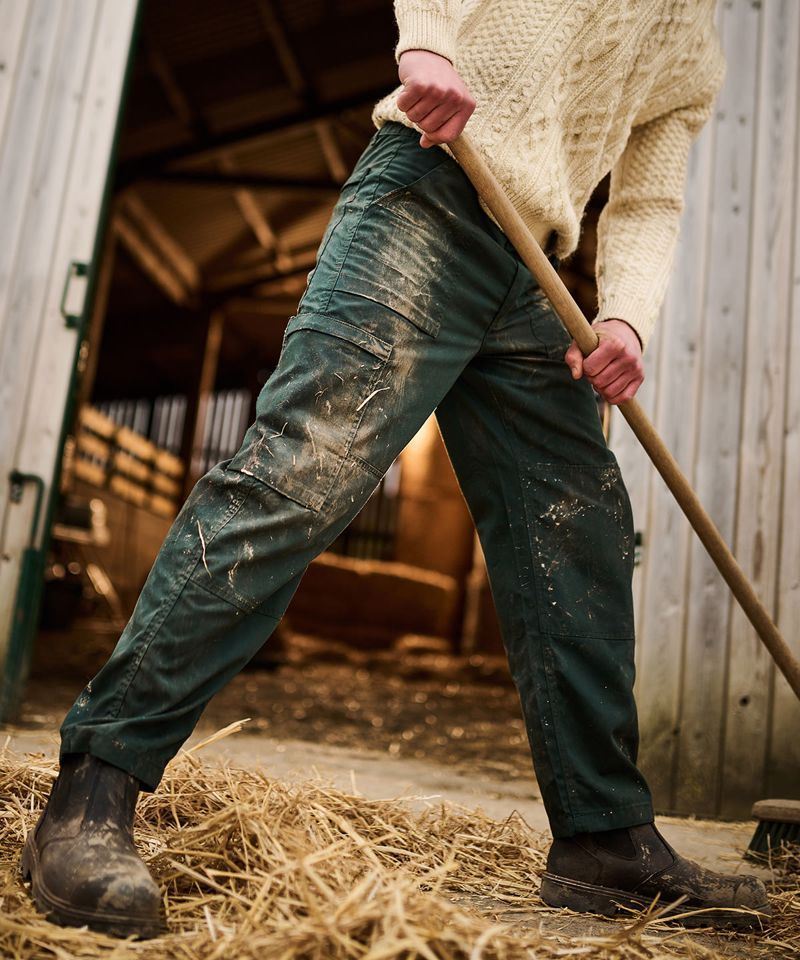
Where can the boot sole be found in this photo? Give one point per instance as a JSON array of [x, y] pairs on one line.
[[608, 902], [62, 913]]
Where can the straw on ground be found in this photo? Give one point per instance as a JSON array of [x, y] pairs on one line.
[[254, 867]]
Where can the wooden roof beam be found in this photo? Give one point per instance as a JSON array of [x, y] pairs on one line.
[[158, 254], [156, 235], [334, 158], [276, 29], [235, 179], [175, 96], [250, 281], [268, 305], [293, 71], [151, 262], [210, 146], [251, 213]]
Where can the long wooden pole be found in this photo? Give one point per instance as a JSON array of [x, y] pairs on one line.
[[579, 328]]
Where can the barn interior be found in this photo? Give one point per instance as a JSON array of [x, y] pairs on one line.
[[241, 121]]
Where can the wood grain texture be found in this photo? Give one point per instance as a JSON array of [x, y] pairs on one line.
[[31, 212], [758, 518], [662, 609], [586, 339], [23, 122], [783, 753], [13, 18], [65, 121], [699, 776], [736, 723]]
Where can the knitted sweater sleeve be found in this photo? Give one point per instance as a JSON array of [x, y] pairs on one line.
[[638, 227], [428, 25]]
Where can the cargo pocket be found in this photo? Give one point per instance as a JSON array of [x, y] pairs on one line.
[[405, 249], [310, 409], [581, 533]]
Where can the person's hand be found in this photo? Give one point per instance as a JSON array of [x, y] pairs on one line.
[[615, 368], [435, 97]]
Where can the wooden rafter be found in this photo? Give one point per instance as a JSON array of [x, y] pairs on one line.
[[288, 285], [237, 282], [195, 426], [148, 259], [142, 168], [337, 165], [256, 219], [247, 181], [175, 96], [276, 30], [270, 306], [153, 230], [293, 71], [156, 251]]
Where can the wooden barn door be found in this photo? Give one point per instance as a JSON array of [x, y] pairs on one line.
[[720, 727], [63, 71]]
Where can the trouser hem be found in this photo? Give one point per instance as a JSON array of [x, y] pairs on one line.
[[595, 821], [147, 770]]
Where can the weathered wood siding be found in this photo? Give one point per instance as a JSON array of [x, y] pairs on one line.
[[719, 727], [63, 65]]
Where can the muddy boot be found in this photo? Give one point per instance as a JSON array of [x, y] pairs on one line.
[[615, 871], [80, 859]]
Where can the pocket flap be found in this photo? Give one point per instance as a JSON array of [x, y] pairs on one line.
[[335, 327], [312, 406]]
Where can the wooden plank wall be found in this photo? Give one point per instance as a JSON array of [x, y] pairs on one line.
[[60, 90], [719, 727]]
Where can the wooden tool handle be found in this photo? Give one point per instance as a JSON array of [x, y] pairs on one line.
[[579, 328]]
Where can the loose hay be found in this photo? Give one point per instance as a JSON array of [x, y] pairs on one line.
[[258, 868]]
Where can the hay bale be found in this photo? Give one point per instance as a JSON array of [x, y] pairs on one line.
[[253, 867], [370, 603]]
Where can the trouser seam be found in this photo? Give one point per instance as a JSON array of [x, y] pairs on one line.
[[367, 466], [564, 768], [501, 309], [158, 621], [600, 819], [351, 437], [358, 223], [225, 599], [592, 811]]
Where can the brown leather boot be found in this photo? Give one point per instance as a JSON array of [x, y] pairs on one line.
[[80, 859], [615, 871]]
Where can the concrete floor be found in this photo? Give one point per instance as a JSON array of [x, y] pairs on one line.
[[443, 737], [375, 774]]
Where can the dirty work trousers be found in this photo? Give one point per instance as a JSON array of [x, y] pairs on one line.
[[417, 303]]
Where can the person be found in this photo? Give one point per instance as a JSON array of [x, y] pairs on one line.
[[418, 302]]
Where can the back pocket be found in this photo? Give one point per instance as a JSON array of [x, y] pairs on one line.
[[581, 533], [309, 410]]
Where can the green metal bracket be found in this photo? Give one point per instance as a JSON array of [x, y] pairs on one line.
[[18, 480], [77, 268], [26, 607]]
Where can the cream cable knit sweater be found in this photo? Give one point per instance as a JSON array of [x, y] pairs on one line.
[[568, 90]]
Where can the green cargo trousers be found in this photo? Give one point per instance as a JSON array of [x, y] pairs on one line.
[[417, 303]]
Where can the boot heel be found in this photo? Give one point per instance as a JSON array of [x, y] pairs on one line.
[[26, 861]]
